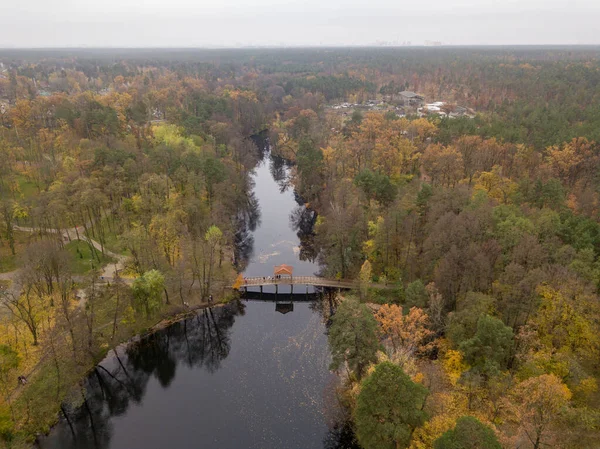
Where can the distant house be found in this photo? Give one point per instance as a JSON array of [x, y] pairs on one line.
[[446, 110], [411, 99], [434, 108]]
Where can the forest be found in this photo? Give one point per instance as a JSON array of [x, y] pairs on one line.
[[126, 199]]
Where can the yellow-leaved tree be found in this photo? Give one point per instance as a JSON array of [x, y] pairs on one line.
[[239, 281], [562, 323], [496, 185], [454, 365], [364, 279]]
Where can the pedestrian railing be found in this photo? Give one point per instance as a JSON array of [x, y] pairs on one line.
[[294, 280]]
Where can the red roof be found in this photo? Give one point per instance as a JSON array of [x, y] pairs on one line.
[[283, 269]]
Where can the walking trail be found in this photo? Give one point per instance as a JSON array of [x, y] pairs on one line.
[[108, 273]]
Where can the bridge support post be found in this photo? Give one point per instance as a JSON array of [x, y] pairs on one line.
[[292, 287], [276, 288], [261, 288]]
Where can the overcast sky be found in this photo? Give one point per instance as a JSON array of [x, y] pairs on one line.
[[218, 23]]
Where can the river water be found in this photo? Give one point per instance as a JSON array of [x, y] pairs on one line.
[[282, 233], [242, 376]]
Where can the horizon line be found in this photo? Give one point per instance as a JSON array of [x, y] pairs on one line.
[[286, 46]]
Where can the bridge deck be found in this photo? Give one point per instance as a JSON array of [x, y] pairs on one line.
[[297, 280], [306, 280]]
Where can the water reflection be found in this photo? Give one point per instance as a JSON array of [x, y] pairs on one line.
[[303, 220], [234, 377], [284, 233], [280, 169], [247, 220]]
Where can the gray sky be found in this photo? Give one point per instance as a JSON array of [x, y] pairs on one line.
[[193, 23]]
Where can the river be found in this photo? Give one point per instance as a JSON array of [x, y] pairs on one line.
[[282, 233], [240, 376]]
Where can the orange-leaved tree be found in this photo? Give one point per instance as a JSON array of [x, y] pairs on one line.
[[405, 333]]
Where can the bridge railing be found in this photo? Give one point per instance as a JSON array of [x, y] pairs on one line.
[[260, 280], [309, 280]]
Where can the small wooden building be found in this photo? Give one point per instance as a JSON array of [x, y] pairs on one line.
[[283, 270]]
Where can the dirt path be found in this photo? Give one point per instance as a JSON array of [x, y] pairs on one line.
[[9, 275], [108, 272], [13, 289]]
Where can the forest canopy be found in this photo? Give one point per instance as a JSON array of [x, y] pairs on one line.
[[472, 230]]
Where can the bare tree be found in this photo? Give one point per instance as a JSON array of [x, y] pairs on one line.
[[28, 309]]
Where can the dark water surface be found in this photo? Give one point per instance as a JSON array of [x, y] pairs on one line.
[[234, 377], [242, 376], [284, 225]]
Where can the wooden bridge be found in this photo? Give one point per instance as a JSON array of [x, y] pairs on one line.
[[314, 281], [283, 275]]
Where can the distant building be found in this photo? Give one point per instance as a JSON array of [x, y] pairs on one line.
[[411, 99], [434, 108], [446, 110]]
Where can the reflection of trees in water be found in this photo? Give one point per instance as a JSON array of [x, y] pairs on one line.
[[262, 143], [280, 168], [302, 218], [247, 220], [325, 304], [303, 221], [340, 436], [203, 340]]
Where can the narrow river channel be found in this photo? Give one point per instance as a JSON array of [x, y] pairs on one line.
[[250, 375], [285, 226]]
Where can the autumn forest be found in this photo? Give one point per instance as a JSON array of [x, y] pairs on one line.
[[471, 229]]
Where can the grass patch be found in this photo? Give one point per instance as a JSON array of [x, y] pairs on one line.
[[26, 187], [82, 258], [8, 261], [112, 241]]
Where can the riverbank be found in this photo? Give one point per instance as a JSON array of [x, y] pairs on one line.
[[59, 368]]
